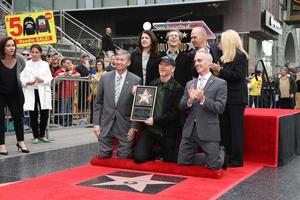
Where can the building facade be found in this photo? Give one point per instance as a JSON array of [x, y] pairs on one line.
[[261, 23]]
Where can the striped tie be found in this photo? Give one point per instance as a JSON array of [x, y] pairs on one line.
[[200, 84], [118, 89]]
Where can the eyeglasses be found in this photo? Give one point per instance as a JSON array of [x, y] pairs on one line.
[[25, 54]]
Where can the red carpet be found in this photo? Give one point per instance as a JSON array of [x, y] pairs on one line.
[[261, 140], [159, 166], [64, 186]]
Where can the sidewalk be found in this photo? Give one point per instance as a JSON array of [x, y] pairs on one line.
[[62, 138]]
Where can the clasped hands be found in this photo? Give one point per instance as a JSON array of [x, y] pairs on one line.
[[36, 80], [195, 95]]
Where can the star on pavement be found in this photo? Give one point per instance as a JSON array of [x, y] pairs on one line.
[[184, 35], [145, 97], [138, 183]]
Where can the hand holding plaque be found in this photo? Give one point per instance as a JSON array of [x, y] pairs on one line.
[[143, 103]]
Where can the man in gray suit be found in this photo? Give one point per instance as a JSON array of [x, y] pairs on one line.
[[112, 109], [204, 99]]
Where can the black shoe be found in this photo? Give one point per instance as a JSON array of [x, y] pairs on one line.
[[226, 159], [5, 153], [22, 150], [225, 163], [235, 164]]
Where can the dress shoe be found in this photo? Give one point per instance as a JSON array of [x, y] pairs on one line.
[[225, 163], [3, 153], [235, 164], [22, 150]]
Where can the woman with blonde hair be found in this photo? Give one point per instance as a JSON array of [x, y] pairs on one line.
[[100, 70], [233, 69]]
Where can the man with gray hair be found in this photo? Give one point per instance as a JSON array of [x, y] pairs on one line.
[[183, 72], [199, 40], [285, 89], [112, 109], [204, 99]]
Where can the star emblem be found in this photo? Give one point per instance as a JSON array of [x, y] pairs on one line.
[[138, 183], [184, 35], [145, 97], [191, 46]]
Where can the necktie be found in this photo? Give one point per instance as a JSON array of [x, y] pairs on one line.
[[118, 89], [200, 85]]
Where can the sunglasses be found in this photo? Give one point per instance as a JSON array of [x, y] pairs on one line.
[[25, 54]]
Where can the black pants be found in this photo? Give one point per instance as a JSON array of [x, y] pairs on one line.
[[16, 110], [38, 130], [232, 132], [255, 100], [286, 103], [145, 150]]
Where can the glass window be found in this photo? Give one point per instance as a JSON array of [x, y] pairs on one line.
[[21, 6], [167, 1], [149, 1], [81, 3], [132, 2], [65, 4], [97, 3], [115, 3], [40, 5]]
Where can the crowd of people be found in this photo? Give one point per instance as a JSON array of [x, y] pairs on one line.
[[200, 101]]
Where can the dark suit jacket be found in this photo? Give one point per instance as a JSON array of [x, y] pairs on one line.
[[151, 69], [213, 50], [293, 85], [182, 72], [206, 115], [169, 120], [107, 44], [235, 73], [105, 110]]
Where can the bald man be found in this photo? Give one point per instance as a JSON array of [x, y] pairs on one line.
[[199, 40], [204, 99]]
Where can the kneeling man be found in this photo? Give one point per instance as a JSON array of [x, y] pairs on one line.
[[112, 109], [163, 128], [204, 99]]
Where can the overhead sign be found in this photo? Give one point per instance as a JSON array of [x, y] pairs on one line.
[[161, 29], [270, 22], [30, 28]]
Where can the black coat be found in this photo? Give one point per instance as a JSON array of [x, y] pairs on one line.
[[107, 44], [213, 50], [169, 120], [151, 69], [183, 72], [235, 73]]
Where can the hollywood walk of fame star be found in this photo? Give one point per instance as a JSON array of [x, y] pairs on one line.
[[145, 97], [137, 183]]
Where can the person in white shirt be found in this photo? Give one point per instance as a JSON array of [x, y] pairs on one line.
[[36, 80]]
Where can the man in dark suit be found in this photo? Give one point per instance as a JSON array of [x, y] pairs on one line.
[[199, 40], [204, 99], [107, 44], [182, 73], [113, 107], [163, 127]]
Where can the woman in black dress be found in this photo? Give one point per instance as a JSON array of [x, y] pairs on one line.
[[11, 93]]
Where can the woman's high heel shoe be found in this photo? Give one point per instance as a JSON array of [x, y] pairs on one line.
[[3, 153], [22, 150]]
